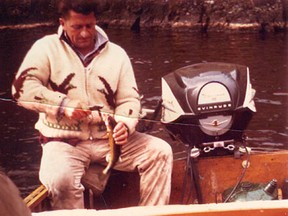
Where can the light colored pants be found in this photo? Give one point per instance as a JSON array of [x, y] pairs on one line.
[[63, 166]]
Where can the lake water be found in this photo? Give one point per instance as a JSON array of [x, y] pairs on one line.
[[153, 55]]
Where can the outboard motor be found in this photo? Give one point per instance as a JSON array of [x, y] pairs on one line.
[[208, 105]]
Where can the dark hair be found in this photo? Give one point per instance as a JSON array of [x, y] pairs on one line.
[[80, 6]]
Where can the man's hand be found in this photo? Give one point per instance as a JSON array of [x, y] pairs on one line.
[[76, 110], [120, 133]]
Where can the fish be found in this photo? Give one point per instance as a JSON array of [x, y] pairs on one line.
[[115, 150]]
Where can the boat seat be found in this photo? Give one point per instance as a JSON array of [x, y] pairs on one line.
[[95, 180], [117, 187]]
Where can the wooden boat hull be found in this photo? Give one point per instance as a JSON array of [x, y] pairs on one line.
[[215, 175]]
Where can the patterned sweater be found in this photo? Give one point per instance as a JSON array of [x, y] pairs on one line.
[[52, 71]]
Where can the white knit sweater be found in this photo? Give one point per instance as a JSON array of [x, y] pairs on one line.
[[52, 71]]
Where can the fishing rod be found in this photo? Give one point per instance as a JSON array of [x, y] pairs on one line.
[[154, 113], [7, 100]]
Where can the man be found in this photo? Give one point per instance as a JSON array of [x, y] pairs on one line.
[[74, 79]]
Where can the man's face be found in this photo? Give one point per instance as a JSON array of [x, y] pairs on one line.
[[80, 29]]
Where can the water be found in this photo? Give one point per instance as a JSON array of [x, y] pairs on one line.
[[153, 55]]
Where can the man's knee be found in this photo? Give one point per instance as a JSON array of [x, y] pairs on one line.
[[162, 149], [60, 180]]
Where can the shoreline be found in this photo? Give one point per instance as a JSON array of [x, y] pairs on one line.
[[174, 26], [25, 26], [201, 28]]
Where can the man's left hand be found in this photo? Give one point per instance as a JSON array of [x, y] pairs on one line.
[[120, 133]]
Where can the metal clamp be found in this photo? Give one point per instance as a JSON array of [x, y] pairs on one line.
[[194, 152], [221, 144], [230, 147], [208, 149]]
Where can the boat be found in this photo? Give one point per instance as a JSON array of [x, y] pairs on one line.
[[216, 174], [206, 108]]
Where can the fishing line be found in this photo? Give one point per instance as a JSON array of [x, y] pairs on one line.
[[150, 121]]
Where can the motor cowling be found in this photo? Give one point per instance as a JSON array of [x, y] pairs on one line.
[[207, 102]]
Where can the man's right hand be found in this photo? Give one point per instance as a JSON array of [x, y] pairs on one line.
[[76, 110]]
